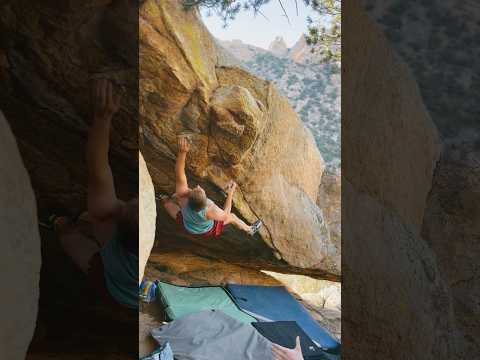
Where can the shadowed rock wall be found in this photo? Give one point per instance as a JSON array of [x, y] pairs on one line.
[[50, 51], [19, 250], [410, 180]]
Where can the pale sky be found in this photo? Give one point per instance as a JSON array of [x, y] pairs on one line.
[[259, 31]]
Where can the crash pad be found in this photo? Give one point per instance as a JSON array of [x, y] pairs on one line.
[[163, 353], [284, 333], [213, 335], [275, 303], [179, 301]]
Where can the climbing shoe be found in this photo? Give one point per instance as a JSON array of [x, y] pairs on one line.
[[163, 198], [53, 220], [255, 227]]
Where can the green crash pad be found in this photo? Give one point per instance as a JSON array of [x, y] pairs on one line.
[[179, 301]]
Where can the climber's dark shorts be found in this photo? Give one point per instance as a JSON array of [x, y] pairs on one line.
[[215, 231], [98, 289], [96, 281]]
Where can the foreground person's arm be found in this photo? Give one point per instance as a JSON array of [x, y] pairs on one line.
[[282, 353], [102, 199]]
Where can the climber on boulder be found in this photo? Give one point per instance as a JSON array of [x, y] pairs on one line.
[[194, 211], [109, 257]]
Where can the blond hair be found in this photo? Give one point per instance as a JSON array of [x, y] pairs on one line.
[[197, 200]]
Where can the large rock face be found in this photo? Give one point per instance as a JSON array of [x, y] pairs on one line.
[[240, 129], [411, 181], [19, 249], [312, 89], [48, 55], [240, 50], [447, 75]]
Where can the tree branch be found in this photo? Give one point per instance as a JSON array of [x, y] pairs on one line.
[[284, 11]]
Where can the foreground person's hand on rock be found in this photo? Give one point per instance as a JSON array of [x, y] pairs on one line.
[[283, 353], [106, 102]]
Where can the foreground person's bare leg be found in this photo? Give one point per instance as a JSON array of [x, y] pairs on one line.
[[78, 246]]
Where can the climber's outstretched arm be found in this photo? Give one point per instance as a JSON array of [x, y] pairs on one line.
[[102, 199], [231, 187], [181, 184], [215, 213], [226, 215]]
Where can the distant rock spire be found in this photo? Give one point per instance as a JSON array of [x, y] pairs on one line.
[[300, 51], [278, 47]]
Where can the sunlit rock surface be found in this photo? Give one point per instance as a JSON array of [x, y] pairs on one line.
[[147, 216], [240, 128]]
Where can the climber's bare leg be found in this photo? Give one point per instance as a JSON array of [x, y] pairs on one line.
[[76, 244], [237, 222]]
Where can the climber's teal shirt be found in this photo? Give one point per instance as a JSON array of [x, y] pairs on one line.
[[196, 222], [121, 273]]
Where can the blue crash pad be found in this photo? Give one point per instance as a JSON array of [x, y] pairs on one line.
[[275, 303]]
